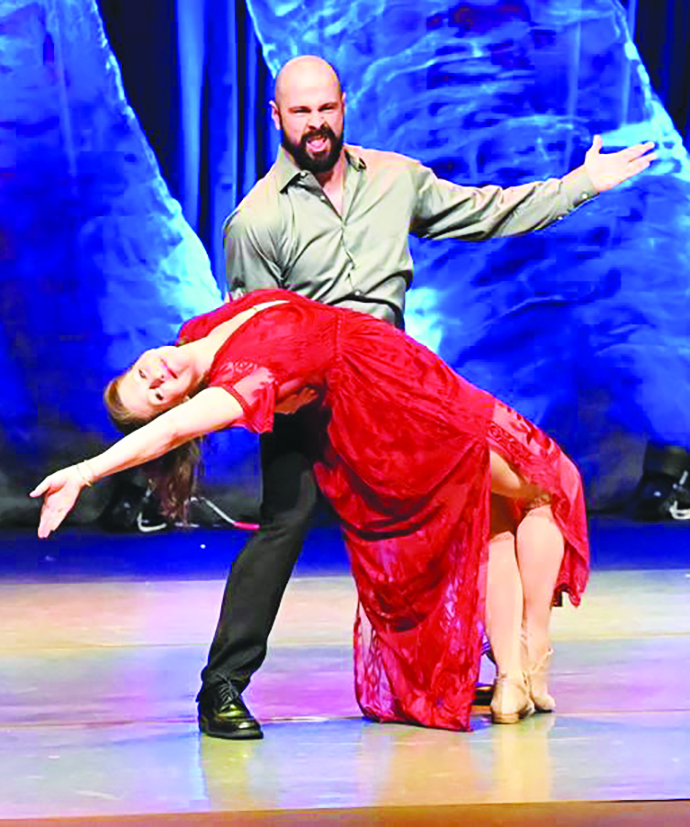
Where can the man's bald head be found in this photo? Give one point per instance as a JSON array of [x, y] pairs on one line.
[[309, 109], [305, 72]]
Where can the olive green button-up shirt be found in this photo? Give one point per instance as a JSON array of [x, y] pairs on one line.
[[287, 234]]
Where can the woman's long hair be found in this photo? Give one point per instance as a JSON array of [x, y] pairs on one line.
[[173, 476]]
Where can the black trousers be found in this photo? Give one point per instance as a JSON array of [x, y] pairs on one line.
[[259, 575]]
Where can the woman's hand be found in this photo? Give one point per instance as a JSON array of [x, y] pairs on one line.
[[60, 491]]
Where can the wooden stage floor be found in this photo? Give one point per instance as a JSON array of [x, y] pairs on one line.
[[98, 724]]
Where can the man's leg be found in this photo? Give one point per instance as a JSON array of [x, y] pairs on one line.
[[257, 581]]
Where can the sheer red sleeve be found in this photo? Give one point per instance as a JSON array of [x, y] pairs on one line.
[[254, 388]]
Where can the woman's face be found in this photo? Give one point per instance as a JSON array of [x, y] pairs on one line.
[[160, 379]]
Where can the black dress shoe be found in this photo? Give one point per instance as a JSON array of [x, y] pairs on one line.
[[223, 714], [483, 693]]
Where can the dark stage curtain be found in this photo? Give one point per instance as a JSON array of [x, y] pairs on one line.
[[661, 29], [195, 76]]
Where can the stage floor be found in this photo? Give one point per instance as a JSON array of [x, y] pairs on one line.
[[99, 676]]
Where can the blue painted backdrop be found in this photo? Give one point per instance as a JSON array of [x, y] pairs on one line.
[[582, 327]]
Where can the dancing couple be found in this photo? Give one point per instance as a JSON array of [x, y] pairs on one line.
[[457, 513]]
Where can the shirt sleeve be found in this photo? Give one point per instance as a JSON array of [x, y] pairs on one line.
[[447, 210], [254, 388], [250, 257]]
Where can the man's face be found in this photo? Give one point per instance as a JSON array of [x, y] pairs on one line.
[[310, 114]]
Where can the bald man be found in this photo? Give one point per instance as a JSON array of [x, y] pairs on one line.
[[332, 222]]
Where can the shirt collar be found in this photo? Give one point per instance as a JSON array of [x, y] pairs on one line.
[[286, 170]]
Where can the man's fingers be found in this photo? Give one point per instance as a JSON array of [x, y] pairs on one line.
[[639, 166], [630, 153], [633, 152]]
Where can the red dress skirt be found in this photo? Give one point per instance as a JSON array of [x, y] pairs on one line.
[[402, 452]]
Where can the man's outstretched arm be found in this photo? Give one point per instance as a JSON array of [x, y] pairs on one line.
[[448, 210]]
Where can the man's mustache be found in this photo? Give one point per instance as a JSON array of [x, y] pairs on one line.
[[324, 132]]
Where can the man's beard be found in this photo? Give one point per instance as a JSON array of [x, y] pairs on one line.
[[325, 162]]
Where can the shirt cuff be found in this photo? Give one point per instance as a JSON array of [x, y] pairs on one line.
[[578, 188]]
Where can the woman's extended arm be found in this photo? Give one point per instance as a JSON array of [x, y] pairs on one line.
[[210, 410]]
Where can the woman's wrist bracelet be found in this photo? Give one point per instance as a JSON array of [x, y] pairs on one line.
[[82, 473]]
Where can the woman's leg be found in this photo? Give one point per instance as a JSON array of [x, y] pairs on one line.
[[539, 551], [506, 482], [504, 601], [504, 612]]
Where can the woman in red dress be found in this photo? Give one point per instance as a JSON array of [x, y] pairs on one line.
[[425, 471]]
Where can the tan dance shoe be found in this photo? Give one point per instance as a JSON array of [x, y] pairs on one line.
[[536, 676], [511, 700]]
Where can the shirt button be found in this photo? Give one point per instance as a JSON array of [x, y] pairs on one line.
[[358, 292]]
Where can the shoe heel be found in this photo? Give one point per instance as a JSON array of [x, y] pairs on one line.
[[537, 684], [511, 701]]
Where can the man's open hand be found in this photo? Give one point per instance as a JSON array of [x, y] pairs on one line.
[[608, 170]]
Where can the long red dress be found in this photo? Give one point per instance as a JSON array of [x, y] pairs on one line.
[[402, 447]]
